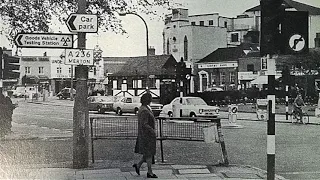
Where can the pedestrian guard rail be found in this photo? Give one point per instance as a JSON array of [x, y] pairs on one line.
[[168, 128]]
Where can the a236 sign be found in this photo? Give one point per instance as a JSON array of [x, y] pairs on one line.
[[79, 57]]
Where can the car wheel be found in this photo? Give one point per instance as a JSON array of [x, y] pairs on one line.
[[170, 114], [119, 111], [100, 110], [193, 115], [136, 110]]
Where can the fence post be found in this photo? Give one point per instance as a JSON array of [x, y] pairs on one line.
[[222, 144], [92, 150], [161, 144]]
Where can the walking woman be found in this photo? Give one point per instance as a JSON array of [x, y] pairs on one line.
[[146, 140]]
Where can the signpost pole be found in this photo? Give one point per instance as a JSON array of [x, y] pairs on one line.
[[1, 76], [80, 110]]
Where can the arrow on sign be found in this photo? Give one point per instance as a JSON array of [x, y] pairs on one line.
[[18, 40], [70, 22]]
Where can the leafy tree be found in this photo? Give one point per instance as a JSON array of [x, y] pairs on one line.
[[37, 15]]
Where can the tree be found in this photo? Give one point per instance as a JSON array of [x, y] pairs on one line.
[[37, 15]]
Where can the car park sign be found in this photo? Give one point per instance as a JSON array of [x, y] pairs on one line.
[[44, 40], [79, 57], [87, 23]]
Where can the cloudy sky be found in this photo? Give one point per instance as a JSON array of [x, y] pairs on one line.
[[134, 44]]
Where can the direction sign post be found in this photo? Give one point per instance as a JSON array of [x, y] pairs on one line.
[[83, 23], [44, 40]]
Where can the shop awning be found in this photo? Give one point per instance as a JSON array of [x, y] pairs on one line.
[[260, 80]]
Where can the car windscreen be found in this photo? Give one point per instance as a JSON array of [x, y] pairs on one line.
[[196, 101], [106, 99]]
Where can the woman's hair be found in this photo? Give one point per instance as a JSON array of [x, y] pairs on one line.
[[146, 99]]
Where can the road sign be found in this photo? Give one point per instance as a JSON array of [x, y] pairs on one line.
[[44, 40], [79, 57], [83, 23]]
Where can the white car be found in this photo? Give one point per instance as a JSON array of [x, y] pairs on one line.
[[132, 104], [191, 107], [22, 91]]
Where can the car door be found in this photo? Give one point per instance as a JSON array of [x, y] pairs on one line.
[[129, 105]]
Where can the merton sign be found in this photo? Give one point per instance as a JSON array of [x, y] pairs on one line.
[[79, 57], [44, 40]]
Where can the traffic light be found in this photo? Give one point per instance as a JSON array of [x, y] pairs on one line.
[[272, 12], [11, 67], [295, 32], [180, 69]]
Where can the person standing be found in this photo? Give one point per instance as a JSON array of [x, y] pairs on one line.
[[146, 140], [3, 116]]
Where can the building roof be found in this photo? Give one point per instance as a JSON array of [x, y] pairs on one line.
[[293, 4], [224, 54], [158, 64]]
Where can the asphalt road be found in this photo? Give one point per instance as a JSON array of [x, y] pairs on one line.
[[297, 155]]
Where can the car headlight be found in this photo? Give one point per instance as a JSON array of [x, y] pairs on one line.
[[200, 111], [217, 110]]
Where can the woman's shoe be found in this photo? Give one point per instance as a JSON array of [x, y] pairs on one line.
[[151, 175], [136, 168]]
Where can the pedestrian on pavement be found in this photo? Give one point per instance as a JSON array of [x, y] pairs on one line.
[[4, 115], [297, 106], [146, 140], [10, 107]]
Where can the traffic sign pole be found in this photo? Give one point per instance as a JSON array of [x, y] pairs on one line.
[[80, 109]]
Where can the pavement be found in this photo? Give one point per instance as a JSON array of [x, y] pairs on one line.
[[116, 170]]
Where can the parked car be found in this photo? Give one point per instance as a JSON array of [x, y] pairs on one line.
[[102, 103], [132, 104], [191, 107], [65, 93], [23, 91], [212, 89]]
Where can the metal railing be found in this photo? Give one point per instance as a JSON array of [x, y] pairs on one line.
[[168, 128]]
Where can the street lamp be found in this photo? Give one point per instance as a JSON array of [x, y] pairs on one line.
[[147, 40]]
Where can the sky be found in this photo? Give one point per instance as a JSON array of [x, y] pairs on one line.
[[134, 42]]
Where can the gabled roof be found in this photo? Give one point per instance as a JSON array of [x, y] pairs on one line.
[[158, 64], [293, 4], [224, 54]]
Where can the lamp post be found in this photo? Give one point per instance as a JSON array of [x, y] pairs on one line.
[[147, 41]]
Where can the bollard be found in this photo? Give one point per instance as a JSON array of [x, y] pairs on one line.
[[232, 117]]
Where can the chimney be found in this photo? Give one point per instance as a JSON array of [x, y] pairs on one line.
[[317, 41], [152, 51]]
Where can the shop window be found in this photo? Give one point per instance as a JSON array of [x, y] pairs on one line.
[[232, 77], [27, 70], [152, 82], [201, 23], [235, 37], [41, 70], [59, 70], [222, 78]]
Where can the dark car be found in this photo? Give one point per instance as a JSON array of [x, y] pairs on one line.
[[65, 93], [102, 103]]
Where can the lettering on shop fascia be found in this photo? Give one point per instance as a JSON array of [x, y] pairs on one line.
[[56, 61], [43, 59], [217, 65], [28, 59]]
